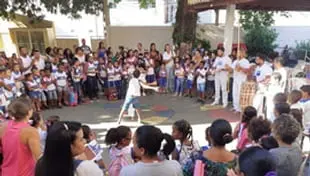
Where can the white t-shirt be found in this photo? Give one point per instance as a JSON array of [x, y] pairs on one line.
[[150, 70], [190, 74], [118, 73], [283, 74], [220, 63], [26, 63], [163, 168], [239, 75], [261, 72], [40, 64], [111, 72], [16, 75], [49, 80], [61, 79], [201, 75], [133, 88], [81, 58], [166, 57], [179, 71], [10, 82], [88, 168]]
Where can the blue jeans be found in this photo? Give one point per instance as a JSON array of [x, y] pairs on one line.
[[179, 85], [170, 79]]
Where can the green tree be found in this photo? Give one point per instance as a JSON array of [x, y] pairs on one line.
[[259, 36], [186, 23], [184, 28]]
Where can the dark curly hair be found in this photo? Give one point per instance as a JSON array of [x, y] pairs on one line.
[[258, 128], [248, 114], [286, 128]]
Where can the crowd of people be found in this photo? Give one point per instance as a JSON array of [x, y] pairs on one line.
[[31, 146], [269, 135]]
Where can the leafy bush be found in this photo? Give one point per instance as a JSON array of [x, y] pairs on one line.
[[300, 50], [260, 40], [204, 43]]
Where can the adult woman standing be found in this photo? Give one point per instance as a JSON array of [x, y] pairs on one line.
[[216, 159], [147, 149], [20, 143], [168, 60], [154, 54], [101, 51], [68, 55], [64, 142]]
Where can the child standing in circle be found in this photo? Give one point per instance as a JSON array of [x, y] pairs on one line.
[[190, 75], [33, 91], [162, 78], [179, 73], [201, 81], [132, 95]]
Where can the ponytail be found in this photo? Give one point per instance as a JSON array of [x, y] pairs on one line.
[[115, 135], [169, 146]]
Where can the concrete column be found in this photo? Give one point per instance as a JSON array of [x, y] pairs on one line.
[[229, 28]]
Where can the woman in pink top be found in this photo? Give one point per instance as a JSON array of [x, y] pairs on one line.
[[20, 143]]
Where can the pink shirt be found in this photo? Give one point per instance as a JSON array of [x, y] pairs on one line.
[[119, 159], [17, 157]]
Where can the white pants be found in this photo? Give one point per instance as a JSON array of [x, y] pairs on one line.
[[236, 93], [221, 83], [270, 107], [258, 102]]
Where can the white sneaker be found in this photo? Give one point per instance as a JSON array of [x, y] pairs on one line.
[[214, 103], [225, 105], [176, 94]]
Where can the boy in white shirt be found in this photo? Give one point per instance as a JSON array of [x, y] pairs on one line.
[[132, 95], [221, 66], [62, 85]]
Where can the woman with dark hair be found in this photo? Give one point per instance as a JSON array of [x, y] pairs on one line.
[[155, 55], [216, 159], [101, 50], [64, 142], [68, 55], [20, 143], [255, 161], [147, 142]]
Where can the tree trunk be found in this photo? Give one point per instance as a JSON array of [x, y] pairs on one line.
[[106, 19], [217, 17], [185, 25]]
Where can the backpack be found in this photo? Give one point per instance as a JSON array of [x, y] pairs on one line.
[[118, 163]]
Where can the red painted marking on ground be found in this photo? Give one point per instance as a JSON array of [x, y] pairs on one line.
[[223, 114]]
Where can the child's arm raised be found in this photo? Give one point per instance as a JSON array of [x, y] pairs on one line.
[[145, 86]]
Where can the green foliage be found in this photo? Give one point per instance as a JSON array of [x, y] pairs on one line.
[[301, 48], [204, 43], [32, 8], [72, 8], [252, 19], [259, 37], [260, 40], [144, 4]]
